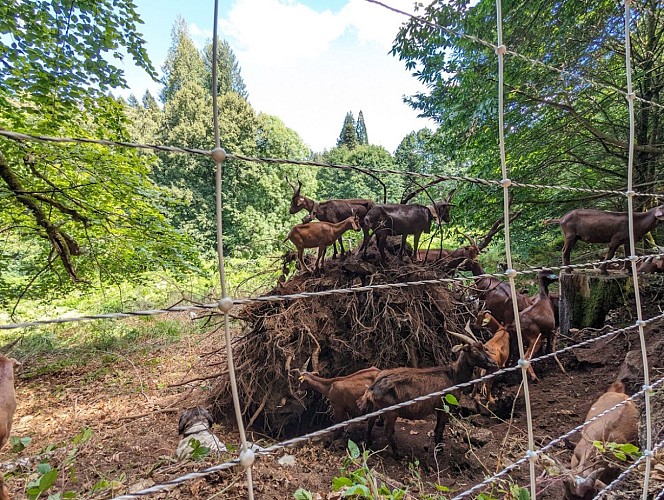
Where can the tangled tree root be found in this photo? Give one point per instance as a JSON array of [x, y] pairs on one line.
[[337, 335]]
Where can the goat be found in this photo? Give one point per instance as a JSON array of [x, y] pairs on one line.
[[329, 211], [342, 392], [319, 235], [537, 320], [452, 258], [402, 384], [195, 424], [589, 473], [7, 408], [496, 294], [498, 347], [396, 219], [598, 226], [652, 264]]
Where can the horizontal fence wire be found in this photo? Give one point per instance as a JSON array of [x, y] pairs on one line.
[[627, 471], [311, 163], [560, 439], [535, 62], [168, 485], [320, 293]]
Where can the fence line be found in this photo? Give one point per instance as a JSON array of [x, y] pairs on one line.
[[168, 485], [304, 295], [311, 163]]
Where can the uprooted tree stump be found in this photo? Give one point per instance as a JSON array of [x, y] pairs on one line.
[[337, 335]]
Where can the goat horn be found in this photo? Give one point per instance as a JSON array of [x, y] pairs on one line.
[[470, 240], [291, 184], [463, 338], [449, 196], [467, 329], [306, 363]]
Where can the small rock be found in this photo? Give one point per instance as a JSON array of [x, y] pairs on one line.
[[141, 485], [480, 437]]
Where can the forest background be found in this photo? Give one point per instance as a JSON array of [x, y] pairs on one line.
[[88, 228]]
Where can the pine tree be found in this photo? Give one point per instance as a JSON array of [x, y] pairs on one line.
[[229, 78], [183, 62], [361, 130], [348, 135]]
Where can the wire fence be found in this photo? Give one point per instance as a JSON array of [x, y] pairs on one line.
[[218, 155]]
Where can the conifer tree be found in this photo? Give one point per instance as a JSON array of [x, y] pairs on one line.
[[361, 130], [348, 135], [229, 78]]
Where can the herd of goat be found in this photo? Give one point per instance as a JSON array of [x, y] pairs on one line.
[[373, 389]]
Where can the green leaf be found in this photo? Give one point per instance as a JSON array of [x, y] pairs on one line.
[[523, 494], [630, 449], [340, 482], [82, 437], [358, 489], [620, 455], [450, 399], [48, 480], [44, 468], [440, 487], [18, 444], [302, 494], [353, 449]]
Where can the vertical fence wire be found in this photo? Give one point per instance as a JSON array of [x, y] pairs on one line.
[[511, 273], [632, 243], [226, 303]]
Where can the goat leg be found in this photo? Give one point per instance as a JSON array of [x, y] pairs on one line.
[[341, 245], [300, 253]]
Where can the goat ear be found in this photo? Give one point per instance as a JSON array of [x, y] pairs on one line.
[[659, 214], [181, 423]]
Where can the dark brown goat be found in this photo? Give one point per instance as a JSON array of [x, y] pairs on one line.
[[395, 219], [537, 321], [319, 235], [496, 294], [329, 211], [402, 384], [452, 258], [598, 226], [342, 392], [589, 472]]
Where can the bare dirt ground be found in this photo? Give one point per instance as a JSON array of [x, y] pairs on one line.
[[131, 404]]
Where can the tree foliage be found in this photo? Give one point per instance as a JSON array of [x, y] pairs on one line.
[[348, 135], [560, 129], [361, 129]]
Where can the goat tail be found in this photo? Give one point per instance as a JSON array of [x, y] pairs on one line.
[[365, 403], [546, 222]]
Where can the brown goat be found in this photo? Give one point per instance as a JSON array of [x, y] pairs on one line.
[[598, 226], [498, 347], [7, 408], [496, 294], [342, 392], [402, 384], [329, 211], [589, 471], [538, 321], [451, 258], [320, 235]]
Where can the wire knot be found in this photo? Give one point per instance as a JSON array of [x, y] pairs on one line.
[[511, 273], [630, 96], [531, 454], [640, 322], [630, 193], [247, 458], [501, 50], [506, 183], [225, 305], [523, 363], [218, 155]]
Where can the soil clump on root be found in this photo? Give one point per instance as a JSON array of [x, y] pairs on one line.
[[338, 334]]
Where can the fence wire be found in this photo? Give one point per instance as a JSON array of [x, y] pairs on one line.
[[320, 293], [169, 485], [225, 303], [310, 163]]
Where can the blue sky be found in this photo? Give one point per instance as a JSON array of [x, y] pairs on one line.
[[307, 62]]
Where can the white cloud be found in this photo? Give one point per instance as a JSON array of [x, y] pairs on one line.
[[310, 68], [199, 35]]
